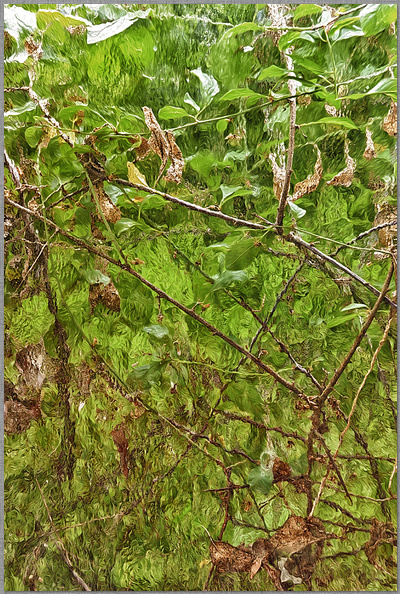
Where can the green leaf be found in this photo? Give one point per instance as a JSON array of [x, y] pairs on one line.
[[287, 39], [377, 17], [353, 306], [158, 332], [98, 33], [33, 135], [237, 93], [240, 192], [208, 82], [17, 111], [345, 122], [171, 113], [227, 278], [305, 10], [125, 224], [228, 190], [188, 99], [239, 30], [341, 320], [296, 210], [345, 30], [222, 125], [273, 72], [260, 479], [308, 64], [387, 86], [241, 255], [95, 276]]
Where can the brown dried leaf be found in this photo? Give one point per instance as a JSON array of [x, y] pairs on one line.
[[380, 533], [331, 110], [79, 30], [158, 142], [17, 417], [344, 177], [164, 145], [390, 121], [369, 152], [281, 470], [143, 149], [30, 363], [279, 176], [312, 182], [111, 213], [255, 567], [175, 170], [227, 558], [386, 214], [107, 295]]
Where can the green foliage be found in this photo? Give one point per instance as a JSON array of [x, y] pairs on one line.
[[149, 429]]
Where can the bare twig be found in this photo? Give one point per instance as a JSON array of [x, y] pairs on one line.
[[381, 343], [212, 213], [300, 242], [289, 164], [363, 234], [358, 340]]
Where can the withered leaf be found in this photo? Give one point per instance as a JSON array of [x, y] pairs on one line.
[[369, 152], [164, 145], [175, 170], [279, 176], [344, 177], [111, 213], [143, 149], [312, 182], [158, 142], [390, 121]]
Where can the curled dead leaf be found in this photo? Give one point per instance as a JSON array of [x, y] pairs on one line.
[[344, 177], [312, 182], [390, 121], [164, 145], [279, 176], [175, 170], [369, 152]]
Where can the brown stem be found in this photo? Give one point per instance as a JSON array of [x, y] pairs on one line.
[[289, 164], [212, 213], [356, 344], [289, 385], [300, 242]]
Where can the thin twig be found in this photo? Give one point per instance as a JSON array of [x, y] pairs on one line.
[[356, 344], [289, 164], [300, 242], [212, 213], [127, 268], [358, 340], [363, 234]]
